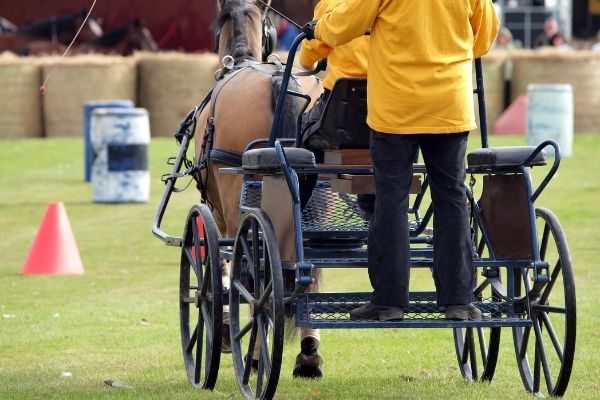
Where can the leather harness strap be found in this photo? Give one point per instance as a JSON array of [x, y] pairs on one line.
[[226, 156]]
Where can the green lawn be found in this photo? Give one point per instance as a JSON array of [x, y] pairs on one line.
[[64, 336]]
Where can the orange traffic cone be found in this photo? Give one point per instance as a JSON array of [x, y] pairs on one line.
[[54, 251]]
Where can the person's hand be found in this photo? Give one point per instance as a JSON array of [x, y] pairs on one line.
[[321, 65], [309, 30]]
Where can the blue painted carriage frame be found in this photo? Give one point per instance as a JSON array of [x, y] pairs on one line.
[[510, 309]]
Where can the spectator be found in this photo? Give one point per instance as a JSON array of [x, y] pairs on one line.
[[286, 34], [558, 41], [505, 40], [551, 28], [596, 46]]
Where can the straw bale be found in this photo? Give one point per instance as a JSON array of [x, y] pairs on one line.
[[76, 80], [20, 102], [171, 84], [581, 69]]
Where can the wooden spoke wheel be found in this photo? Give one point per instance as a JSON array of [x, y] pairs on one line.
[[201, 298], [545, 351], [477, 348], [256, 307]]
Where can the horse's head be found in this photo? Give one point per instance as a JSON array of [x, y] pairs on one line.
[[63, 28], [91, 30], [7, 26], [141, 37], [240, 29]]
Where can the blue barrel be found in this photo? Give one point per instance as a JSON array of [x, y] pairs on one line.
[[88, 109], [119, 141], [550, 115]]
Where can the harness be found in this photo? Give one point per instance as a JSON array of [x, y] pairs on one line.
[[209, 152]]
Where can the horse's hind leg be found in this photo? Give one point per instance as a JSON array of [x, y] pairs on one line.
[[309, 364]]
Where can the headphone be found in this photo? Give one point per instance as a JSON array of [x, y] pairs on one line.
[[269, 39]]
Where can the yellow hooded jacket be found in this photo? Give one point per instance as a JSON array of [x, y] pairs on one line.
[[420, 63], [348, 60]]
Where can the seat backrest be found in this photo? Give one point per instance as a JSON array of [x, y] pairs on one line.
[[345, 114]]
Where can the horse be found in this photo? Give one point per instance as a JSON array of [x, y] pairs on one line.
[[123, 40], [51, 34], [241, 111], [7, 26]]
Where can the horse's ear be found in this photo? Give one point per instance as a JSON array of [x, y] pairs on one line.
[[220, 4], [266, 4]]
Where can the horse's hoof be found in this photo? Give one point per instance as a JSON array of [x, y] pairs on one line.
[[254, 365], [308, 366], [225, 340]]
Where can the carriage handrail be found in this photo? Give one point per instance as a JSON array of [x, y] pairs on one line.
[[551, 172], [284, 85], [291, 179]]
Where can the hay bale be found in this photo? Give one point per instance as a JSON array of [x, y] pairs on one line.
[[581, 69], [20, 102], [493, 84], [76, 80], [171, 84]]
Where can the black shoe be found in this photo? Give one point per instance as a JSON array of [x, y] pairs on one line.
[[375, 312], [463, 312]]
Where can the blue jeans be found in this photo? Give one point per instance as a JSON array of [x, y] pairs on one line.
[[388, 244]]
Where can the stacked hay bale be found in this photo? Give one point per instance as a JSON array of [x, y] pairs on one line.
[[20, 102], [494, 65], [171, 84], [76, 80], [581, 69]]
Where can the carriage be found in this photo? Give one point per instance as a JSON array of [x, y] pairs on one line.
[[524, 274]]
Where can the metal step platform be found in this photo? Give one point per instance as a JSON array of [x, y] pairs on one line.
[[330, 310]]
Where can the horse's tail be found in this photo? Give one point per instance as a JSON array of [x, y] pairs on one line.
[[291, 107]]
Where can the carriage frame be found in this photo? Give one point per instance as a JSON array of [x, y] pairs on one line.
[[516, 278]]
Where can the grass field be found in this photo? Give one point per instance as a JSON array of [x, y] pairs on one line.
[[63, 337]]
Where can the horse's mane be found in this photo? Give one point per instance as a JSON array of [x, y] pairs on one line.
[[111, 38], [237, 11], [44, 27]]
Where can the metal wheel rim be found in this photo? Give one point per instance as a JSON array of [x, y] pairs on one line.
[[269, 284], [206, 329], [549, 349]]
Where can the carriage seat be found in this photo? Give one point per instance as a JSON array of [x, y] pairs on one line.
[[503, 158], [343, 124], [266, 158]]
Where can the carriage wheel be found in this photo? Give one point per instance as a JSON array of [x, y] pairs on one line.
[[550, 342], [477, 348], [256, 307], [201, 298], [477, 351]]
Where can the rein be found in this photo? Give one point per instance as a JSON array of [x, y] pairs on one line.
[[43, 87], [282, 15]]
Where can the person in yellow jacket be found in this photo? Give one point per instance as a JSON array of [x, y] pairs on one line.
[[420, 96], [347, 60]]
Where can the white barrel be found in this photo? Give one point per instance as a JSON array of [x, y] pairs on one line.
[[550, 116], [120, 138]]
